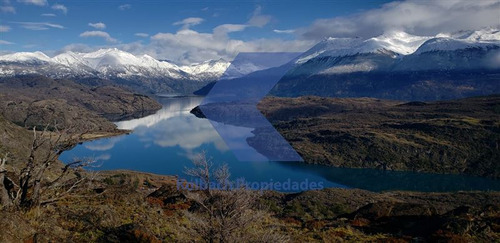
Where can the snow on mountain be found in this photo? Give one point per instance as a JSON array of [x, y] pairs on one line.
[[483, 35], [107, 63], [241, 69], [394, 43], [401, 43], [330, 47], [26, 57], [212, 66], [462, 40], [342, 54], [70, 59], [212, 69], [399, 51]]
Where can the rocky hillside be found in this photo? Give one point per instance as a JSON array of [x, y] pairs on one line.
[[457, 136], [36, 100]]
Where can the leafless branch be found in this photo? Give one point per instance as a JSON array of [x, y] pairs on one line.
[[32, 187]]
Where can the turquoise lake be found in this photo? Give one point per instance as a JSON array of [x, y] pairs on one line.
[[165, 142]]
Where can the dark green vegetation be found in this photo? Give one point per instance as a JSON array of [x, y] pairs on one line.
[[36, 100], [401, 85], [160, 85], [456, 136], [430, 75], [205, 89]]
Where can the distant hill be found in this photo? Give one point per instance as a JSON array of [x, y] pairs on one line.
[[38, 101]]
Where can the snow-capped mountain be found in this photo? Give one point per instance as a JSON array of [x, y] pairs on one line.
[[391, 52], [106, 63], [347, 55], [398, 65], [402, 43], [27, 57], [211, 67], [397, 43], [462, 40]]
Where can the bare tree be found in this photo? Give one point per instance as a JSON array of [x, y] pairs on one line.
[[30, 186], [4, 194], [224, 213]]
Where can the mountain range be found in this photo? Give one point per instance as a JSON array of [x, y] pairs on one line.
[[143, 72], [106, 63], [398, 65], [393, 65]]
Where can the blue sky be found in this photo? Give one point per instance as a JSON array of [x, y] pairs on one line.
[[192, 31]]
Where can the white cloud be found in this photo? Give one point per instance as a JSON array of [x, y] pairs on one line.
[[413, 16], [188, 46], [4, 28], [3, 42], [103, 145], [34, 2], [76, 47], [188, 22], [258, 19], [48, 15], [100, 34], [144, 35], [284, 31], [60, 7], [98, 25], [228, 28], [124, 7], [7, 9], [38, 25]]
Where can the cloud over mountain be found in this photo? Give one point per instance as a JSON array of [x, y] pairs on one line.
[[412, 16], [101, 34]]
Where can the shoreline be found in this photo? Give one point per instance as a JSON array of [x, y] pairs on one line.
[[87, 137]]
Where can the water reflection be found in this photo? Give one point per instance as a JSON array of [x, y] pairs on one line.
[[172, 107], [165, 142], [174, 125]]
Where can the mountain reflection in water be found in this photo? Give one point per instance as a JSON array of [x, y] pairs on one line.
[[165, 142]]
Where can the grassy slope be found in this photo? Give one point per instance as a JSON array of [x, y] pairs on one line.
[[35, 100], [14, 140]]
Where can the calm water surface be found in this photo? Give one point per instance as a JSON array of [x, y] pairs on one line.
[[165, 143]]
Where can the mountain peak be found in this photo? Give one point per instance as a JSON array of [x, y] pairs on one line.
[[107, 62], [31, 57], [401, 43], [396, 41], [489, 34]]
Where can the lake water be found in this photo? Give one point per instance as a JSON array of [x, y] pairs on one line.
[[165, 142]]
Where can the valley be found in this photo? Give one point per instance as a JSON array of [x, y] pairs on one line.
[[399, 134]]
